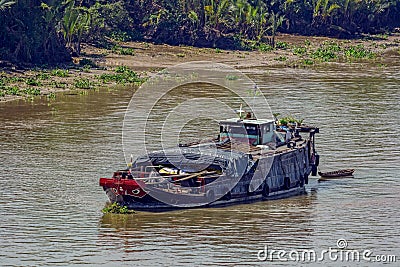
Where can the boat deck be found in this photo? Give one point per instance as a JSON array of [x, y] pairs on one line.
[[257, 151]]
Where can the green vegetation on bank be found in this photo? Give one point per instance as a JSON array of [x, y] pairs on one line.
[[37, 82], [329, 51], [83, 83], [122, 75], [59, 73], [51, 31], [123, 50], [14, 90]]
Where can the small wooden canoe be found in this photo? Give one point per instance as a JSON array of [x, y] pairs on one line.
[[339, 173]]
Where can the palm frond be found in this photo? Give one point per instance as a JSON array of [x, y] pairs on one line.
[[6, 4]]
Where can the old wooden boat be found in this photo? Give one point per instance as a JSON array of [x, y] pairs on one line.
[[337, 174], [250, 160]]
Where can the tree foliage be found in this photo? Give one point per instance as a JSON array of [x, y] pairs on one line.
[[75, 22], [29, 34], [49, 30], [5, 4]]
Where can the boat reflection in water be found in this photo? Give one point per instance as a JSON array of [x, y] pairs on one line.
[[148, 237]]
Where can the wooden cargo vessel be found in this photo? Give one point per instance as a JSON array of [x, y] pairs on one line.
[[337, 174], [252, 159]]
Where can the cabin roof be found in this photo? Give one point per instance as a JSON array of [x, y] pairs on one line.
[[236, 120]]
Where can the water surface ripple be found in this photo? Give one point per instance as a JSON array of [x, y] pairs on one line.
[[52, 155]]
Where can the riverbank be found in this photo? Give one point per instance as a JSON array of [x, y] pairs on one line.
[[132, 62]]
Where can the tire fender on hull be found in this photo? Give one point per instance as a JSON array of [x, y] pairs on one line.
[[251, 190], [301, 181], [313, 170], [227, 196], [210, 195], [286, 183], [113, 197], [265, 191]]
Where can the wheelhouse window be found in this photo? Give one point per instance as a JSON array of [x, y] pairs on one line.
[[240, 132]]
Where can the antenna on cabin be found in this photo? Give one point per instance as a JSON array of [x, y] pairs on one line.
[[240, 111], [130, 163]]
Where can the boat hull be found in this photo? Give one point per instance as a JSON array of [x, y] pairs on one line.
[[151, 205], [337, 174], [285, 178]]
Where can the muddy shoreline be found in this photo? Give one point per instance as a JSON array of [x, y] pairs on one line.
[[134, 61]]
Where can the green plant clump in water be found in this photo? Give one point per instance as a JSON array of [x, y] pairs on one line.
[[59, 73], [83, 83], [33, 82], [117, 209]]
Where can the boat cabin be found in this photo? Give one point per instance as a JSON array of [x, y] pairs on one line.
[[255, 132]]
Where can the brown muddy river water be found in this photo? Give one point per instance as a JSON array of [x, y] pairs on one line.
[[53, 153]]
